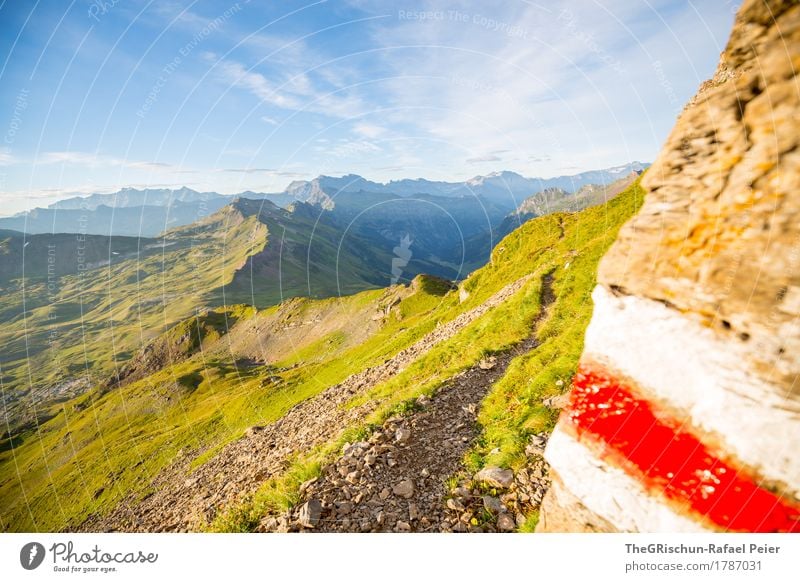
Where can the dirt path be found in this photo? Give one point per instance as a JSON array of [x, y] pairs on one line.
[[184, 501], [396, 481]]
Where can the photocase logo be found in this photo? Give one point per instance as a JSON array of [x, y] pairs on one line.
[[31, 555]]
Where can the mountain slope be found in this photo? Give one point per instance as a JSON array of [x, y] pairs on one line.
[[110, 452], [65, 332], [87, 304]]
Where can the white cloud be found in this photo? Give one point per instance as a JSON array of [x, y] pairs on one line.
[[96, 160], [238, 75], [368, 130], [6, 159], [483, 159], [291, 90]]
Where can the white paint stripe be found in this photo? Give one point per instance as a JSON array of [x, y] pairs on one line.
[[611, 493], [687, 366]]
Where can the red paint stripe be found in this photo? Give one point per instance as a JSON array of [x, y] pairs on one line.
[[665, 457]]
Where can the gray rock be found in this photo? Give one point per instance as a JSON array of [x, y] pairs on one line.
[[402, 435], [454, 504], [462, 492], [495, 477], [309, 514], [404, 489], [270, 524], [306, 484], [487, 363], [493, 504], [413, 511], [505, 522]]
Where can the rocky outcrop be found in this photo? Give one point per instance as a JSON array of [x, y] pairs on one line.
[[685, 411]]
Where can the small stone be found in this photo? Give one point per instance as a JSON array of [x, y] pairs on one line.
[[353, 477], [454, 504], [462, 492], [536, 446], [401, 435], [404, 489], [310, 512], [520, 519], [505, 522], [403, 526], [493, 504], [487, 363], [271, 524], [557, 402], [508, 498], [370, 459], [413, 511], [495, 477], [385, 492], [425, 473], [306, 484]]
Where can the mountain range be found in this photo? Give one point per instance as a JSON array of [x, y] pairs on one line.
[[150, 212]]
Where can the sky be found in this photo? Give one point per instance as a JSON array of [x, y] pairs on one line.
[[96, 95]]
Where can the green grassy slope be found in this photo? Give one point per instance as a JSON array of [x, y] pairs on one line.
[[102, 445], [63, 334], [567, 245], [69, 327]]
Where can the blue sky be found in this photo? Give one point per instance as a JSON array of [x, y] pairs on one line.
[[229, 96]]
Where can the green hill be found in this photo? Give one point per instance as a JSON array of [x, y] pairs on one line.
[[195, 386]]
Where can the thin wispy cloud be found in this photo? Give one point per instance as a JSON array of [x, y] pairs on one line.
[[484, 159], [249, 170]]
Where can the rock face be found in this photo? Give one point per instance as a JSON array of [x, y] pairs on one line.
[[685, 412]]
